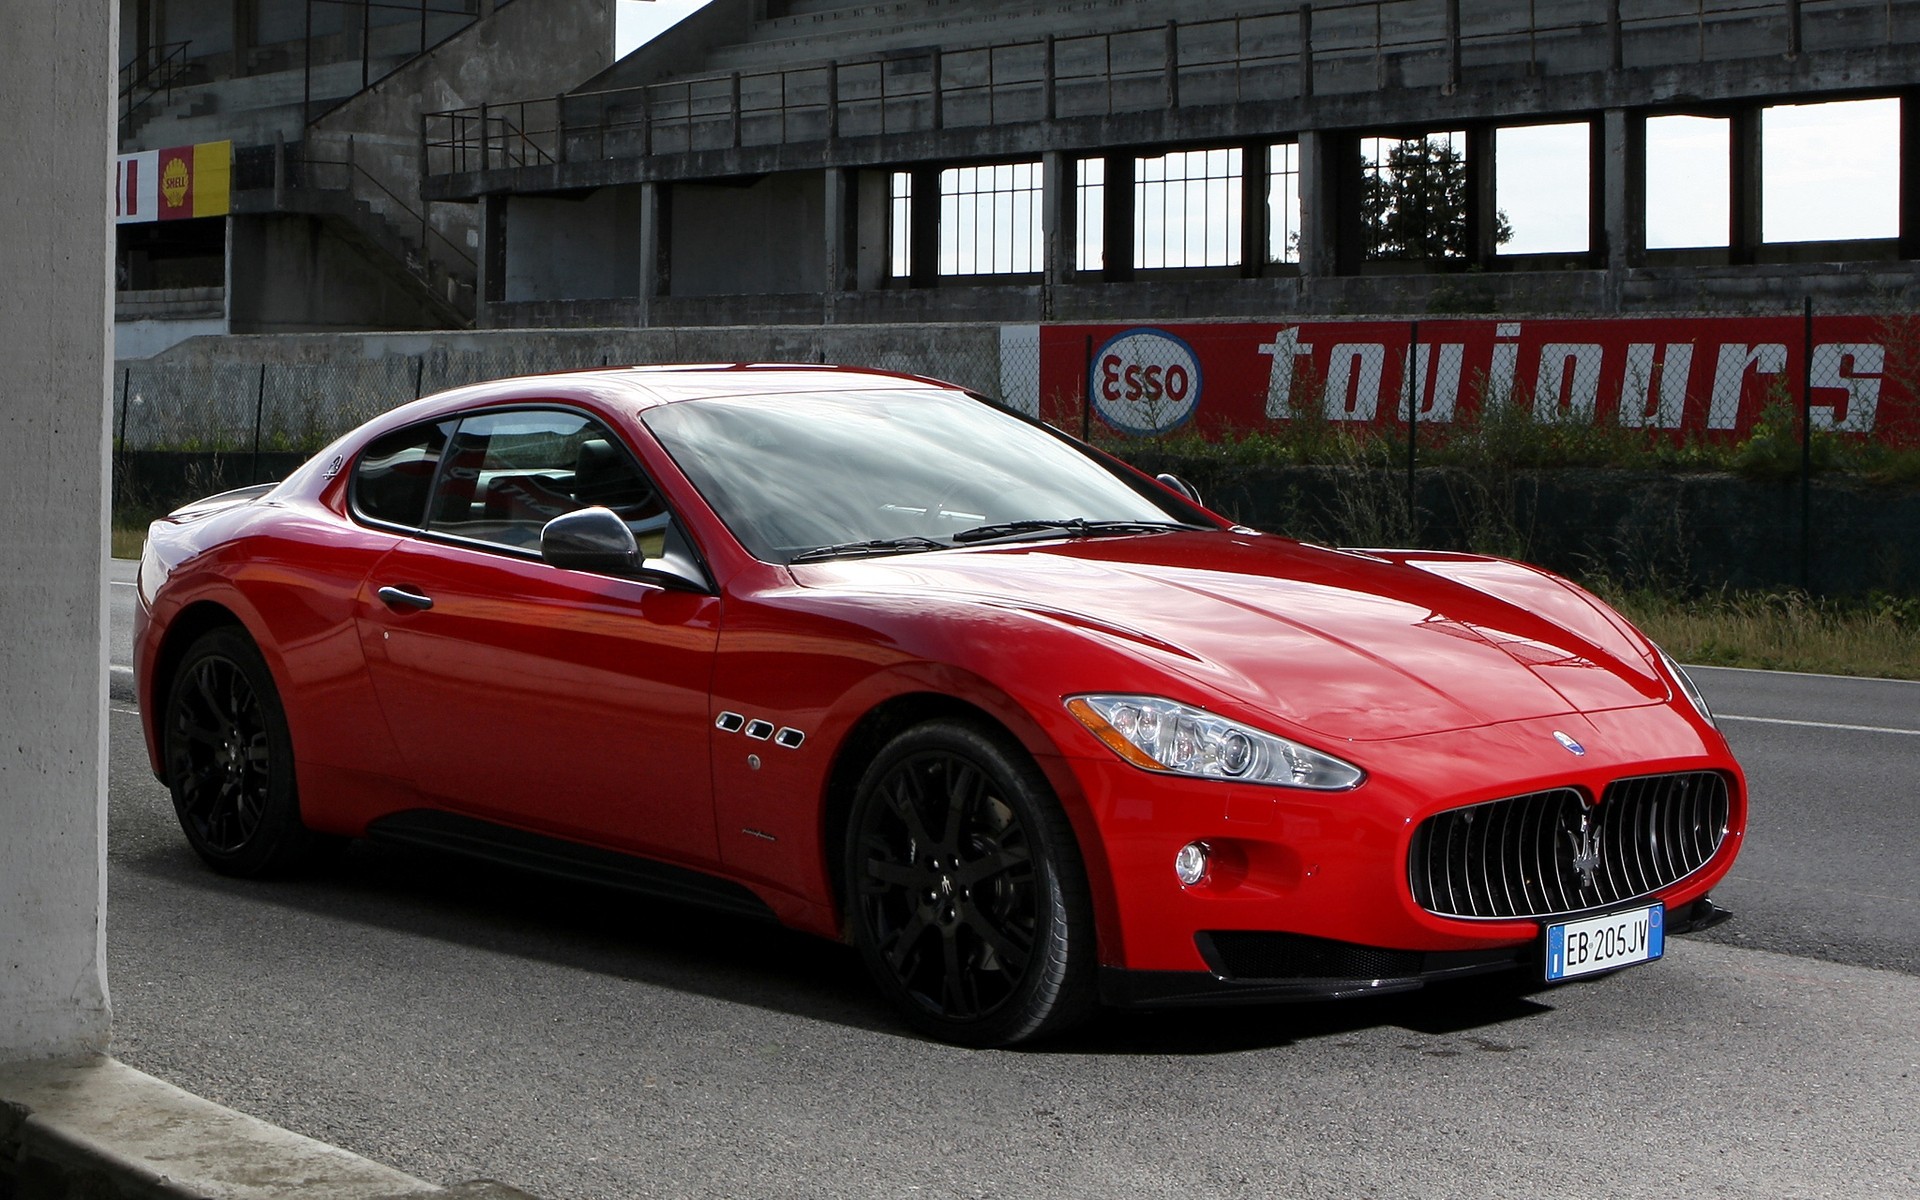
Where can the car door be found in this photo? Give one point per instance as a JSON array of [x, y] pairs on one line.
[[564, 702]]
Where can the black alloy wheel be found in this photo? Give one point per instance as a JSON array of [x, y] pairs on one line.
[[229, 760], [965, 889]]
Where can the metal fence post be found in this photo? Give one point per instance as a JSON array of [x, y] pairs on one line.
[[120, 459], [259, 411], [1806, 450], [1086, 393], [419, 371], [1412, 387]]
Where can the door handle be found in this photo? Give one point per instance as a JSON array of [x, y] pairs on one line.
[[404, 598]]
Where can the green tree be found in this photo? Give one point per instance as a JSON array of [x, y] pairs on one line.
[[1414, 202]]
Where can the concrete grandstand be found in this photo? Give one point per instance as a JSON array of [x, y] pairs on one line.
[[879, 161]]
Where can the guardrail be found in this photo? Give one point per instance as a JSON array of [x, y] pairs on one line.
[[1345, 47]]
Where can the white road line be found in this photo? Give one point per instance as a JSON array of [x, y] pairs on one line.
[[1803, 674], [131, 712], [1819, 724], [121, 582]]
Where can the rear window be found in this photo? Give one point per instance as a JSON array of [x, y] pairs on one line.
[[394, 476]]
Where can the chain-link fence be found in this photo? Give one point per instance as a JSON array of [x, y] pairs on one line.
[[1764, 450]]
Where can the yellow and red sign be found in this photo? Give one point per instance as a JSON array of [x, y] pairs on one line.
[[174, 184]]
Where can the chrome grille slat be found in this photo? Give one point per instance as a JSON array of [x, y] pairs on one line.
[[1506, 881], [1617, 837], [1515, 858]]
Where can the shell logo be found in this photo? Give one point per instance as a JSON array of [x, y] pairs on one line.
[[173, 182], [1145, 381]]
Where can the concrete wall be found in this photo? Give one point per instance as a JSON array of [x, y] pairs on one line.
[[297, 274], [56, 85], [587, 247], [769, 238]]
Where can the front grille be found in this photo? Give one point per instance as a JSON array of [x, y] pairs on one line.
[[1551, 852]]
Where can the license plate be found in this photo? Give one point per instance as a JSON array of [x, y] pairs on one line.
[[1602, 943]]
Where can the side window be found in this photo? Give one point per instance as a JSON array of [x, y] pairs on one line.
[[394, 476], [509, 473]]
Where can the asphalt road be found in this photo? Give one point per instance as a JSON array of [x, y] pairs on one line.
[[458, 1021]]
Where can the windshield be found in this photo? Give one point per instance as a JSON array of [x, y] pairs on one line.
[[843, 473]]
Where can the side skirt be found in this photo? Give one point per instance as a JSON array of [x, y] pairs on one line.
[[434, 830]]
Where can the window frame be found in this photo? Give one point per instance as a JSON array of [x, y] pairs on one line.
[[677, 536]]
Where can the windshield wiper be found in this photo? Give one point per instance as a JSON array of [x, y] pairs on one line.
[[868, 549], [1064, 527]]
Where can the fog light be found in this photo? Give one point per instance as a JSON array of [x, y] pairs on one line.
[[1191, 863]]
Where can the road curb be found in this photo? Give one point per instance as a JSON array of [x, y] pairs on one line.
[[95, 1129], [120, 684]]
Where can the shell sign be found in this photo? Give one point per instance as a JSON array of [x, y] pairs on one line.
[[174, 184]]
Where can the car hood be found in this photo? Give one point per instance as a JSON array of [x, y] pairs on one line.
[[1349, 645]]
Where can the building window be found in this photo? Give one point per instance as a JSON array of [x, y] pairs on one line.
[[1541, 184], [1187, 209], [1413, 197], [990, 219], [1688, 182], [1283, 203], [1830, 172], [900, 218], [1091, 229]]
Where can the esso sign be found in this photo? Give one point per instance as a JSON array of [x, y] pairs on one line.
[[1145, 381]]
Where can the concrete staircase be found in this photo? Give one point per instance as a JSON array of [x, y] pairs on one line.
[[335, 183]]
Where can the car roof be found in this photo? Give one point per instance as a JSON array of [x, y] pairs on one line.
[[641, 387]]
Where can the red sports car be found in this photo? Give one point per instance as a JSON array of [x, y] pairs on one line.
[[871, 656]]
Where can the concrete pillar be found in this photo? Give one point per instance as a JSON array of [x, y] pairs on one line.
[[1255, 184], [656, 244], [1320, 190], [1621, 170], [1117, 218], [923, 227], [1743, 235], [841, 234], [1059, 217], [57, 87], [1910, 175], [490, 286], [1483, 210]]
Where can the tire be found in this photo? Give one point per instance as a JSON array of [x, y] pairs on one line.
[[965, 892], [229, 761]]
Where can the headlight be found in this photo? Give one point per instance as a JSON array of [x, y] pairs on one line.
[[1692, 693], [1160, 735]]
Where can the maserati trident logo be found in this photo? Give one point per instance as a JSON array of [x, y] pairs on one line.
[[1572, 746], [1586, 851]]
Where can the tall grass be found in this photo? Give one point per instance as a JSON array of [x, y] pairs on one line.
[[1784, 631]]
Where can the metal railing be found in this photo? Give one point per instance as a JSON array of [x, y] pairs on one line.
[[149, 74], [1345, 47]]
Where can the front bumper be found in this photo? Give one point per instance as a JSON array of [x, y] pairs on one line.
[[1333, 866], [1250, 967]]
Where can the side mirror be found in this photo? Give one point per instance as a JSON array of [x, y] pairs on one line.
[[590, 539], [1180, 485]]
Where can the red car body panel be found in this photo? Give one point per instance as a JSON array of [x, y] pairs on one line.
[[584, 707]]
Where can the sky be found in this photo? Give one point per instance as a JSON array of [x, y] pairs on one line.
[[1830, 171], [637, 21]]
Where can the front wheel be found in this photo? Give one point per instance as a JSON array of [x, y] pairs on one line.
[[229, 760], [965, 890]]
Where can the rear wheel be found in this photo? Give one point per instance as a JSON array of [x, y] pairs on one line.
[[229, 760], [965, 891]]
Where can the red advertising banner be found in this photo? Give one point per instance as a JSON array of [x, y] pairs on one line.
[[1703, 376]]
